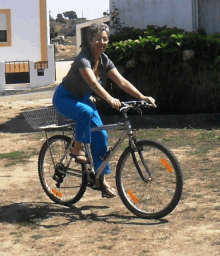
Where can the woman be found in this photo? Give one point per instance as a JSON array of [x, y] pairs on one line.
[[87, 74]]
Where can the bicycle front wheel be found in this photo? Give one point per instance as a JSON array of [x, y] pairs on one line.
[[63, 182], [149, 181]]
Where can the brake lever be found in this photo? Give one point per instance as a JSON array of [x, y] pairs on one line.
[[123, 106], [148, 104], [138, 110]]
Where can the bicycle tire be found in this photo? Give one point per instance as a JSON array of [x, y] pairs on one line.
[[61, 188], [149, 199]]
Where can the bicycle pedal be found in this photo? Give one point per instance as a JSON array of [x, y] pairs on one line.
[[58, 185]]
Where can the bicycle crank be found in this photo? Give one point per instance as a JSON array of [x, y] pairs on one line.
[[59, 174]]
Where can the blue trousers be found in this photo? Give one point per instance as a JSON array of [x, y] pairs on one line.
[[86, 116]]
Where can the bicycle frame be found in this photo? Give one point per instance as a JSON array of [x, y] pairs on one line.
[[126, 131]]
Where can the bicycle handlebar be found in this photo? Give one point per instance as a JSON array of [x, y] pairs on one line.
[[135, 104]]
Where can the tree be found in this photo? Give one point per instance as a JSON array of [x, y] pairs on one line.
[[115, 19], [50, 17], [60, 18], [106, 13], [53, 33], [70, 15]]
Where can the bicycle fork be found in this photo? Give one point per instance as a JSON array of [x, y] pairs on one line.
[[139, 149]]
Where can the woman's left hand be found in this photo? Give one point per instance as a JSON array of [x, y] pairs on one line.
[[115, 103], [150, 99]]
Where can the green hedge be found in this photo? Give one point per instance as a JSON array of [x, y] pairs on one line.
[[179, 69]]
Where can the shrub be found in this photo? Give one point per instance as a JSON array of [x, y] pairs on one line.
[[179, 69]]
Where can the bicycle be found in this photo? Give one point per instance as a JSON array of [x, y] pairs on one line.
[[148, 175]]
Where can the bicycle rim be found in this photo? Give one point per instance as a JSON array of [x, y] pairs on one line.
[[60, 186], [150, 198]]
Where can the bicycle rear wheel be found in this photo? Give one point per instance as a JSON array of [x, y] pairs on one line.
[[64, 184], [152, 196]]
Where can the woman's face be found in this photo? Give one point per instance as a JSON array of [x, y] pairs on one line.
[[99, 42]]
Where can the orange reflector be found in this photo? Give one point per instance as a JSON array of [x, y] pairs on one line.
[[56, 193], [167, 166], [132, 196]]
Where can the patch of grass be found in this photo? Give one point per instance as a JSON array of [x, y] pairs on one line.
[[16, 241], [186, 210], [106, 247], [12, 233], [216, 243], [197, 195], [145, 252], [201, 216], [12, 155], [17, 157], [32, 224], [36, 237], [99, 238], [60, 244], [41, 136]]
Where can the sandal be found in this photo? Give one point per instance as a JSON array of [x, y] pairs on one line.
[[80, 157], [107, 191]]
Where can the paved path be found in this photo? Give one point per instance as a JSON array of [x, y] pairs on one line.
[[44, 92]]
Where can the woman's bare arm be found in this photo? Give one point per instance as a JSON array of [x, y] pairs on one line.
[[89, 76], [127, 86]]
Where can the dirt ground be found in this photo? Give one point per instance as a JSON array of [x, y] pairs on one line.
[[30, 224], [65, 52]]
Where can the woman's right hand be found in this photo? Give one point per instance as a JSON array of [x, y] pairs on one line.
[[115, 103]]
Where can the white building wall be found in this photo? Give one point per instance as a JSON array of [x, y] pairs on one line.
[[25, 31], [49, 74], [209, 15], [2, 76], [140, 13], [26, 43]]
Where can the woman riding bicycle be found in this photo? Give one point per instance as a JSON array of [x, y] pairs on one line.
[[88, 74]]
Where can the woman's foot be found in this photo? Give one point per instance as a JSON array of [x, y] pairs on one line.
[[107, 190], [78, 153]]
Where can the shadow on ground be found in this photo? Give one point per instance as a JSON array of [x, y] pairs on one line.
[[35, 214], [18, 124]]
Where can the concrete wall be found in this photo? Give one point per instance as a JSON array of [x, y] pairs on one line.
[[49, 74], [186, 14], [209, 15], [140, 13]]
